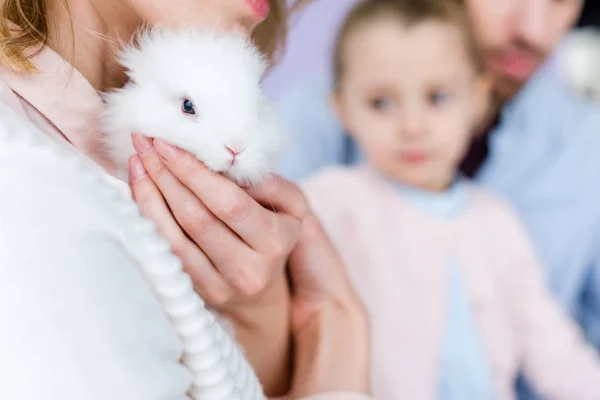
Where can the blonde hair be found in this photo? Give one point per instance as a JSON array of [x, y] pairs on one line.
[[24, 30], [407, 12]]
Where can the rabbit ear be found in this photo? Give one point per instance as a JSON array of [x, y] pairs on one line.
[[130, 57], [139, 56], [239, 50], [254, 60]]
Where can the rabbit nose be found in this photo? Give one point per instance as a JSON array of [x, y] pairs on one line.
[[233, 152], [235, 147]]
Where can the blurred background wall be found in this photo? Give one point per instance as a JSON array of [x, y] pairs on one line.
[[311, 37], [309, 45]]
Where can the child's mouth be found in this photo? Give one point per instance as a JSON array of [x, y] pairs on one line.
[[414, 157]]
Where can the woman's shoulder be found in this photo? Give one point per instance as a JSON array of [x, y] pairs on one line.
[[53, 200], [44, 179], [56, 211], [69, 261]]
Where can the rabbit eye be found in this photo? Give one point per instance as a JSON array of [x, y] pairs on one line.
[[187, 106]]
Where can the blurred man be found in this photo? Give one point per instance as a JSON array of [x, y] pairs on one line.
[[516, 36], [540, 150]]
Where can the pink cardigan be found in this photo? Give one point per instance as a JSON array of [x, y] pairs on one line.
[[395, 255]]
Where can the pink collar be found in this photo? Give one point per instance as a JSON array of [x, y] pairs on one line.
[[65, 98]]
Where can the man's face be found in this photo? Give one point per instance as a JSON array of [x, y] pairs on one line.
[[517, 35]]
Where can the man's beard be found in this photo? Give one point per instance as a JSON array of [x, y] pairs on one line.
[[512, 66], [505, 87]]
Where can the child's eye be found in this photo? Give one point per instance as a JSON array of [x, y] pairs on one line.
[[381, 103], [439, 97], [187, 106]]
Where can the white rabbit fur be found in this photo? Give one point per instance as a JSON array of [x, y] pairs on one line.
[[221, 74]]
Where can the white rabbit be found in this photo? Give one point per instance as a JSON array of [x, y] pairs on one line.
[[200, 90]]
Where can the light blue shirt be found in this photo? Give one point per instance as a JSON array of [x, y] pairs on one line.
[[544, 159], [464, 369]]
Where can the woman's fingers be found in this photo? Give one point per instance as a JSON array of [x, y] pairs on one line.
[[151, 203], [207, 281], [241, 266], [281, 195], [263, 230]]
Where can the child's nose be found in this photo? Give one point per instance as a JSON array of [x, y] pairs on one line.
[[414, 125]]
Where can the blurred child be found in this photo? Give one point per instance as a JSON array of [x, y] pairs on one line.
[[457, 304]]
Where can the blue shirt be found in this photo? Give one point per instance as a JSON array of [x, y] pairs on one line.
[[544, 159], [464, 369]]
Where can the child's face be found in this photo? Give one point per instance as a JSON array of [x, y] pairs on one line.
[[410, 97]]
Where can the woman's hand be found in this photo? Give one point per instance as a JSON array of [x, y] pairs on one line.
[[232, 246], [329, 323]]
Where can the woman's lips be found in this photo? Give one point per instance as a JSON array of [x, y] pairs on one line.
[[260, 8]]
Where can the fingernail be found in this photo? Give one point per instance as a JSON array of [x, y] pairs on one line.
[[165, 150], [141, 143], [136, 168], [244, 184]]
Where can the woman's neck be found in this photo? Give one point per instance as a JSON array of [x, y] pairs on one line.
[[91, 44]]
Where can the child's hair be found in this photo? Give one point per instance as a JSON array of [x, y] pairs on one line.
[[409, 13]]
